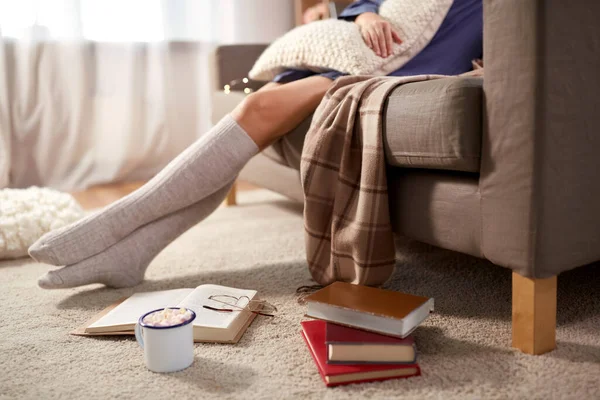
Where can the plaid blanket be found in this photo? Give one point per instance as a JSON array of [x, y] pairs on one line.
[[347, 225]]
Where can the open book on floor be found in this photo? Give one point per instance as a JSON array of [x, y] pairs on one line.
[[209, 325]]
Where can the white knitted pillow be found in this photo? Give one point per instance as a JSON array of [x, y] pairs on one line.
[[338, 45], [27, 214]]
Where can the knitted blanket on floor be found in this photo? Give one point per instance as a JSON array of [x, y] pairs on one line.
[[348, 233]]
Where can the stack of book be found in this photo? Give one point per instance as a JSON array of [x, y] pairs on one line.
[[362, 334]]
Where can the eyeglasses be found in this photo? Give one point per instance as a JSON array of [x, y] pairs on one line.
[[258, 307]]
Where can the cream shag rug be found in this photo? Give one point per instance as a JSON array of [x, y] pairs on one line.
[[464, 346]]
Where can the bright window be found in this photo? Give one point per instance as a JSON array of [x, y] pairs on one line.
[[98, 20]]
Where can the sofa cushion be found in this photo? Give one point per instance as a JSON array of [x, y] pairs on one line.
[[435, 124]]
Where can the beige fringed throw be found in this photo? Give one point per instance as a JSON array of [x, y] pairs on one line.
[[346, 216]]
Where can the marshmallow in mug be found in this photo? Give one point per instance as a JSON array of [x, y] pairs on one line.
[[168, 317]]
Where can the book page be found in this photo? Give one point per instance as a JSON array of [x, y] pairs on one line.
[[129, 311], [210, 318]]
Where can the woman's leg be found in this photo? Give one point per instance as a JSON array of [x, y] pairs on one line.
[[263, 117], [124, 263], [269, 114]]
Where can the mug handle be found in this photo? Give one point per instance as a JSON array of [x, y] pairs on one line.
[[139, 336]]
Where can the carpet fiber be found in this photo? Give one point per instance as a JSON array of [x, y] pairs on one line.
[[464, 346]]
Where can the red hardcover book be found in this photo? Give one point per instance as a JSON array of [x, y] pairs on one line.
[[333, 375], [352, 346]]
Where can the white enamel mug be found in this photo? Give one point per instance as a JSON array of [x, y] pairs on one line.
[[166, 348]]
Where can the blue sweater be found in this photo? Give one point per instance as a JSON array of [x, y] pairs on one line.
[[458, 41]]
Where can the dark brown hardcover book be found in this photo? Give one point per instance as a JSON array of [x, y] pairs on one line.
[[377, 310]]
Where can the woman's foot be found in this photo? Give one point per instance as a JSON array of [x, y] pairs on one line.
[[124, 263]]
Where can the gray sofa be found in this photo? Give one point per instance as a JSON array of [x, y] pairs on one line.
[[503, 168]]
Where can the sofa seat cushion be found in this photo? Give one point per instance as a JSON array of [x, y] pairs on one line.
[[435, 124]]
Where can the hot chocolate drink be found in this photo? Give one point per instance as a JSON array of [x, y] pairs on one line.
[[167, 317]]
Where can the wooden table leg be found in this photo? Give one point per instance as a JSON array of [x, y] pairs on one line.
[[533, 314], [230, 200]]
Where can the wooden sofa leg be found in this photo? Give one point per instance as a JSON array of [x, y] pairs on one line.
[[533, 314], [230, 200]]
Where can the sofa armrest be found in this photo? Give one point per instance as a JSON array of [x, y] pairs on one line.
[[231, 62], [540, 183]]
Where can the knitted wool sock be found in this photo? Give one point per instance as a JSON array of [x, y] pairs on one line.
[[124, 263], [200, 170]]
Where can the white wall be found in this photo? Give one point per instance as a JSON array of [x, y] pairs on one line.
[[254, 21]]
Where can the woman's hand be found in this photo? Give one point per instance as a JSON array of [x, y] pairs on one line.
[[377, 33]]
